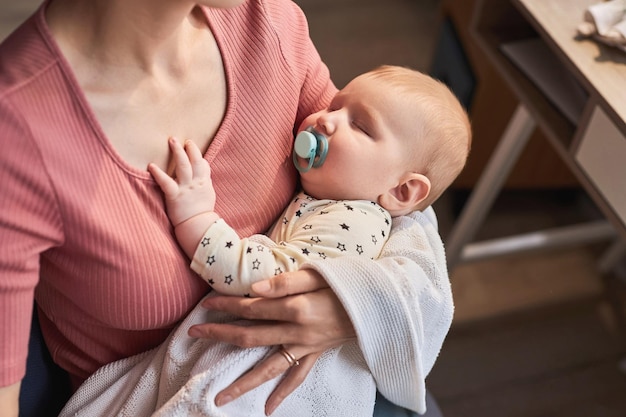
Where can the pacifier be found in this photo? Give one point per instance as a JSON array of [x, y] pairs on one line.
[[310, 145]]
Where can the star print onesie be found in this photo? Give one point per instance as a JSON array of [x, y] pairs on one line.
[[308, 230]]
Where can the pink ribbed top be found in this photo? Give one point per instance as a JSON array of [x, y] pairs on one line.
[[89, 231]]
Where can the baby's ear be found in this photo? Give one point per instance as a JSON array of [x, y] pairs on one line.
[[404, 197]]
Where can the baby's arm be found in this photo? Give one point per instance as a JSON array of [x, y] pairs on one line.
[[190, 197], [309, 230]]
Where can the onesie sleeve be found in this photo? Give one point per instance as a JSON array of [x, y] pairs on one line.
[[400, 305], [334, 229], [231, 264]]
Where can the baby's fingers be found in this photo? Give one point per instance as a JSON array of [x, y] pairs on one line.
[[168, 185], [199, 166], [182, 165]]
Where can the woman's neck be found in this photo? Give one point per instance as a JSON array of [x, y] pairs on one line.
[[148, 35]]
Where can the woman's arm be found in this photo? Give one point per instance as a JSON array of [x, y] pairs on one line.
[[30, 224]]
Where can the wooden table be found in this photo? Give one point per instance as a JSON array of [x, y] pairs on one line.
[[575, 91]]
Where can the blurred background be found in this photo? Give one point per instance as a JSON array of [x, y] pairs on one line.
[[534, 335]]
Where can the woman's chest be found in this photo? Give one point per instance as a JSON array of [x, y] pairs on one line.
[[119, 259], [138, 122]]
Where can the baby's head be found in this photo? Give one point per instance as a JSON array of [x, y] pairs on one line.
[[395, 136]]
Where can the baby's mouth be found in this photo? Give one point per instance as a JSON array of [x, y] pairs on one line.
[[311, 146]]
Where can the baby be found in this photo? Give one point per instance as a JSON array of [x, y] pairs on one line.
[[388, 145]]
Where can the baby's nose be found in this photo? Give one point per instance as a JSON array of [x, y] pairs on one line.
[[326, 124]]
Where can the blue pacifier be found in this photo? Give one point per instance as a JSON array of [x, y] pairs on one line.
[[310, 145]]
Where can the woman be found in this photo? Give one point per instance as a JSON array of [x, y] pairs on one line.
[[89, 93]]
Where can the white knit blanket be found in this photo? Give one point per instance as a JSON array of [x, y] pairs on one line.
[[401, 308], [182, 377]]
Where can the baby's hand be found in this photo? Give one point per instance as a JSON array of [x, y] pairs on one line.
[[191, 191]]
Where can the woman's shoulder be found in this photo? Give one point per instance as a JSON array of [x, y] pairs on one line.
[[288, 22], [24, 54], [282, 12]]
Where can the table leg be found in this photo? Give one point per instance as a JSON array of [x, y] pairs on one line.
[[503, 159]]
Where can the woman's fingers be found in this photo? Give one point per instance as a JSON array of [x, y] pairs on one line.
[[250, 308], [294, 377], [290, 283], [247, 336], [299, 308], [275, 365], [315, 319]]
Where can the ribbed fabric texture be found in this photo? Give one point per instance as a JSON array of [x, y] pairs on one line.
[[90, 231]]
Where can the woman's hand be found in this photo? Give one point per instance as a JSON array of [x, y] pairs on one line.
[[297, 310]]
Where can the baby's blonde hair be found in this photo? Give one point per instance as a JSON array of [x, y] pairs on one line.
[[444, 133]]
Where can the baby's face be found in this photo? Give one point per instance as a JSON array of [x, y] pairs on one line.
[[367, 131]]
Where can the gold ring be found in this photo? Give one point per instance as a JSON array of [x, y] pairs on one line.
[[288, 356]]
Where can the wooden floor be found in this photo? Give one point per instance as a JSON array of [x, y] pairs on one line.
[[534, 335], [539, 335], [554, 361]]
